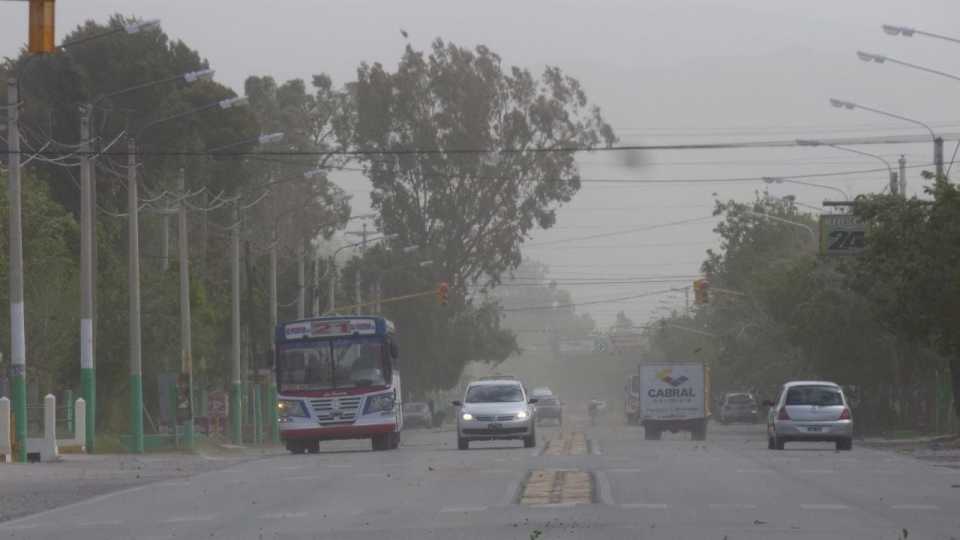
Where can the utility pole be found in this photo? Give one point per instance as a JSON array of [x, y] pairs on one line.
[[236, 408], [272, 395], [88, 378], [332, 300], [165, 244], [356, 275], [18, 342], [186, 339], [302, 281], [133, 279], [903, 175], [938, 155], [316, 284]]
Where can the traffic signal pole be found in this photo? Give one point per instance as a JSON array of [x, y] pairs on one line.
[[18, 342]]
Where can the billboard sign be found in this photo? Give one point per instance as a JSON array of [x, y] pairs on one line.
[[842, 234]]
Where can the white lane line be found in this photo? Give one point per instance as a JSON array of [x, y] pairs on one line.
[[188, 519], [646, 506], [104, 523], [816, 471], [914, 507], [283, 515], [735, 506], [622, 471], [751, 471], [604, 489], [339, 466], [824, 507], [463, 509]]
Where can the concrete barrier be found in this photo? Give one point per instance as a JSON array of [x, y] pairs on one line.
[[6, 440], [46, 447], [78, 443]]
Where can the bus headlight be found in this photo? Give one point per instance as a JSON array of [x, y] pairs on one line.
[[291, 408], [379, 403]]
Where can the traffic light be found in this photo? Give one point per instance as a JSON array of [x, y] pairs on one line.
[[701, 292], [41, 27], [442, 291]]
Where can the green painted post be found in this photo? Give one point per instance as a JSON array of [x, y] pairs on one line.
[[272, 416], [88, 382], [136, 413], [172, 392], [18, 392], [236, 413], [257, 415], [69, 405]]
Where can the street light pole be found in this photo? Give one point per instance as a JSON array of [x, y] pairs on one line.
[[236, 408], [274, 421], [937, 141], [88, 380], [18, 342], [186, 337], [778, 180], [894, 188], [133, 278], [906, 31]]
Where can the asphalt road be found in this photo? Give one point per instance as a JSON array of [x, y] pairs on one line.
[[729, 487]]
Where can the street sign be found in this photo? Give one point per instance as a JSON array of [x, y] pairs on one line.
[[842, 234]]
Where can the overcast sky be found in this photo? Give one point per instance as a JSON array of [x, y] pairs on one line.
[[664, 71]]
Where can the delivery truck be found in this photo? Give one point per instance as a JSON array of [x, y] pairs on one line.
[[674, 396]]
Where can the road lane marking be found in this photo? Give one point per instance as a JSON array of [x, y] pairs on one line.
[[603, 488], [339, 465], [550, 486], [750, 471], [188, 519], [736, 506], [307, 477], [104, 523], [646, 506], [283, 515], [448, 509], [23, 527], [914, 507], [816, 471], [622, 471], [824, 507], [289, 468]]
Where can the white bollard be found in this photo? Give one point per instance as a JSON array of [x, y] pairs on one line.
[[80, 424], [48, 451], [6, 441]]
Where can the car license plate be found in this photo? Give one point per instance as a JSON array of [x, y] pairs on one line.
[[814, 429], [494, 426]]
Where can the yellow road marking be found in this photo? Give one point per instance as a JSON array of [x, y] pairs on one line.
[[557, 487]]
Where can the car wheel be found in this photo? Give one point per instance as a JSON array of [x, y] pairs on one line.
[[845, 444], [463, 444], [313, 447], [395, 440]]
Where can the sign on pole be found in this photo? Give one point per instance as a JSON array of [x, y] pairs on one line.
[[842, 234]]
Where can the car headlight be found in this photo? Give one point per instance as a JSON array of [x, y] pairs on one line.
[[466, 416], [288, 408], [522, 415], [380, 403]]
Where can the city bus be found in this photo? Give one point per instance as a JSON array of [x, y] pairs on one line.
[[338, 378]]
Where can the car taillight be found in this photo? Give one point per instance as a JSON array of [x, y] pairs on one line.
[[782, 415], [845, 415]]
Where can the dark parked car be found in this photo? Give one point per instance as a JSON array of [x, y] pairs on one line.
[[549, 407], [738, 407], [417, 414]]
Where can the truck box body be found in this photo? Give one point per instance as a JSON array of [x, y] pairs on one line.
[[674, 397]]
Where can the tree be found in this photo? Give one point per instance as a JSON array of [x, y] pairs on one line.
[[466, 158]]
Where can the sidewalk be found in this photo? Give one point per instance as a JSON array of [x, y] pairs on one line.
[[941, 449], [27, 488]]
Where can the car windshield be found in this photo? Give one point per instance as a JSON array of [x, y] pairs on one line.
[[822, 396], [739, 399], [341, 363], [494, 393]]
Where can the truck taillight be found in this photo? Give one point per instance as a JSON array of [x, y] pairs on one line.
[[782, 415], [845, 414]]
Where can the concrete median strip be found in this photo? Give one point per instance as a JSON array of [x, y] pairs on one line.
[[567, 444], [551, 487]]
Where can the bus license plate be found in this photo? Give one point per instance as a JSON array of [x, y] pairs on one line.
[[494, 426]]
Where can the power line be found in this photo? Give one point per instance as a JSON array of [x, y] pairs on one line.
[[590, 303], [625, 231]]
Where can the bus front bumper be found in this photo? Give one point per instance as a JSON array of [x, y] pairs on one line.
[[344, 431]]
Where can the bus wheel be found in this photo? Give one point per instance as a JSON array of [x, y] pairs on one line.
[[313, 446], [295, 447], [394, 440]]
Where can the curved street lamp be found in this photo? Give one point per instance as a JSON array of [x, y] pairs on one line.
[[906, 31], [779, 180], [880, 59], [894, 187]]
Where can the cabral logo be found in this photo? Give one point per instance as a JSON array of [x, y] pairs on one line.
[[665, 376]]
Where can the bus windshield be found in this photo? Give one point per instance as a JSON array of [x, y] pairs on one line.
[[330, 364]]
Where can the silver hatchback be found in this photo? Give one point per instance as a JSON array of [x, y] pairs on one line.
[[810, 411]]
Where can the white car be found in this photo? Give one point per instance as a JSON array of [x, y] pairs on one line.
[[810, 411], [494, 410]]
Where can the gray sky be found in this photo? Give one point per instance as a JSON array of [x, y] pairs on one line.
[[664, 71]]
